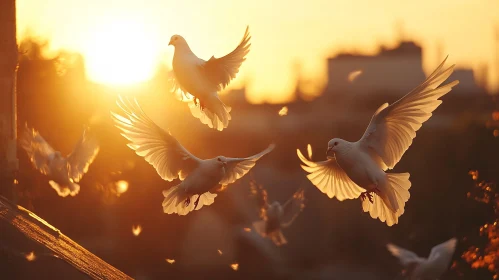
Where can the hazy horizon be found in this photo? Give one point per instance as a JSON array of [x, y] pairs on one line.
[[303, 33]]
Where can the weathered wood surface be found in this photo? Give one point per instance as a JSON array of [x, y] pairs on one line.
[[18, 223]]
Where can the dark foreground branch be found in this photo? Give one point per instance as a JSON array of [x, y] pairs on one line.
[[19, 223]]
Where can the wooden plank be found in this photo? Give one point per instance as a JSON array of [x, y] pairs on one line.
[[36, 229]]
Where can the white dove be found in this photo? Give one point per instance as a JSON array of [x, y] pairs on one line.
[[431, 268], [354, 169], [204, 79], [64, 172], [275, 216], [160, 149]]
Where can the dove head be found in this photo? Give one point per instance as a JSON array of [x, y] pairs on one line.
[[336, 145], [221, 161], [177, 41], [275, 208]]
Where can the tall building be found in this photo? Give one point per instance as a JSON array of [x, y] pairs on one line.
[[391, 70]]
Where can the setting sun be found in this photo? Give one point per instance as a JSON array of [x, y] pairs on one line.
[[121, 52]]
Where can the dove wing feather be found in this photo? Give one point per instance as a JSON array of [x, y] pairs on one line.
[[405, 256], [293, 207], [330, 178], [259, 192], [443, 250], [393, 127], [220, 71], [40, 152], [82, 156], [158, 147], [238, 167]]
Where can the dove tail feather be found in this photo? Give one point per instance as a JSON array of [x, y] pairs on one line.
[[215, 114], [71, 189], [176, 197], [278, 238], [390, 203]]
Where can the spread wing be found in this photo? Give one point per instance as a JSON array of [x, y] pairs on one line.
[[293, 207], [261, 198], [82, 156], [406, 257], [158, 147], [444, 250], [40, 153], [330, 178], [220, 71], [238, 167], [393, 127]]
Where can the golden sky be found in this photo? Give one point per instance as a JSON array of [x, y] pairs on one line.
[[132, 35]]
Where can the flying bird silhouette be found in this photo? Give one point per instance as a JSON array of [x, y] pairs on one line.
[[64, 172], [354, 169], [204, 79], [421, 268], [200, 177], [275, 217]]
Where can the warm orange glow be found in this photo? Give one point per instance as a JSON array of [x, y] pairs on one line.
[[220, 252], [247, 229], [283, 111], [235, 266], [31, 256], [306, 32], [136, 230], [121, 187], [170, 261], [16, 182], [353, 75], [120, 52]]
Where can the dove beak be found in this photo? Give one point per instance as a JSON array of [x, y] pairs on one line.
[[170, 43], [329, 149]]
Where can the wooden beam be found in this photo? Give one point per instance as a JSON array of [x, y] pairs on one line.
[[30, 226]]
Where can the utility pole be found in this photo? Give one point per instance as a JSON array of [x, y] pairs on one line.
[[9, 163]]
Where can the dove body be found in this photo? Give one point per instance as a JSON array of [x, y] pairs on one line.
[[205, 178], [274, 217], [357, 164], [186, 68]]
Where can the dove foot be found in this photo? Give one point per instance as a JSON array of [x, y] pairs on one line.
[[187, 202], [368, 194], [201, 105], [196, 202]]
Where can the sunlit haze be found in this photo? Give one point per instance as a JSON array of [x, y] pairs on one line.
[[122, 41]]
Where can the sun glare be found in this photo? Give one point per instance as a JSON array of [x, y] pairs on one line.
[[121, 52]]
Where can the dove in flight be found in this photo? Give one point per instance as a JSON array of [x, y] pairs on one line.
[[202, 79], [275, 217], [200, 177], [354, 169], [64, 172], [421, 268]]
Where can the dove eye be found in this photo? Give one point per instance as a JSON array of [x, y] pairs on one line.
[[336, 143], [219, 159]]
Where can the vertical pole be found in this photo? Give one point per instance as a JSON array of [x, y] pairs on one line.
[[9, 163]]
